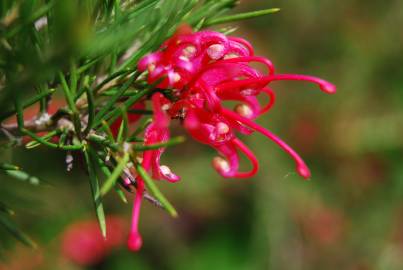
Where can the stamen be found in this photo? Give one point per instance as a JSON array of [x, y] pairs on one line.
[[249, 92], [215, 51], [126, 181], [165, 170], [189, 51], [244, 110], [231, 56], [221, 165], [168, 175], [222, 128], [176, 77], [151, 67], [166, 107], [184, 58], [301, 167]]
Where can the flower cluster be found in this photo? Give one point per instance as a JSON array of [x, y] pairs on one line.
[[202, 70]]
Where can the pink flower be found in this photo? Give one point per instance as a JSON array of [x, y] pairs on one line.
[[203, 69], [83, 244]]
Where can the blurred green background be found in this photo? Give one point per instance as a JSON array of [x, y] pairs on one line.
[[349, 216]]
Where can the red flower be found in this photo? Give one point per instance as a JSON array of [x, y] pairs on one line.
[[203, 69], [83, 243]]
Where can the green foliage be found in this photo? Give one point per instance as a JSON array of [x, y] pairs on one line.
[[95, 190], [12, 228], [88, 51]]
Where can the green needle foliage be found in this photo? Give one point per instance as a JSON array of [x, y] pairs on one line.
[[87, 51]]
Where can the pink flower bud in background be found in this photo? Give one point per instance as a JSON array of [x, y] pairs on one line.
[[83, 243]]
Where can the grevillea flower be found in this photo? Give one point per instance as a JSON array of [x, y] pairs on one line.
[[83, 243], [202, 70]]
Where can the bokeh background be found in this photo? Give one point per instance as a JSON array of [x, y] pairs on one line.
[[349, 216]]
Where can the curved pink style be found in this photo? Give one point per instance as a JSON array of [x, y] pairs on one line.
[[252, 158], [301, 167]]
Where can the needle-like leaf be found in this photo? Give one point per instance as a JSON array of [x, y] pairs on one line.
[[110, 182], [152, 187], [12, 228], [95, 190]]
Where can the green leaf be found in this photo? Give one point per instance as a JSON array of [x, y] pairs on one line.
[[167, 16], [110, 182], [173, 141], [95, 190], [113, 76], [11, 227], [5, 209], [120, 194], [105, 170], [152, 187], [114, 114], [67, 93], [43, 101], [73, 80], [7, 166], [46, 137], [91, 109], [19, 109], [52, 145], [108, 131], [122, 31], [23, 176], [33, 16], [63, 138], [142, 126], [103, 141], [27, 103], [124, 127], [112, 101]]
